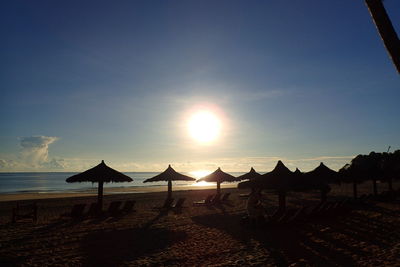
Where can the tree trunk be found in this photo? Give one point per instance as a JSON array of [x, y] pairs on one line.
[[169, 189], [100, 197], [386, 30], [375, 187], [282, 200], [219, 188], [355, 190]]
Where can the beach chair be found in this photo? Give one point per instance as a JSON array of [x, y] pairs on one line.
[[297, 216], [76, 211], [179, 203], [167, 204], [275, 216], [128, 206], [216, 199], [314, 210], [93, 210], [244, 195], [225, 197], [285, 217], [31, 214], [326, 210], [113, 209], [206, 201]]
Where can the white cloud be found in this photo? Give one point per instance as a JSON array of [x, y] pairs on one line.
[[34, 156], [35, 149]]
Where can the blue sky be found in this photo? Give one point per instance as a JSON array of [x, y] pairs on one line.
[[302, 81]]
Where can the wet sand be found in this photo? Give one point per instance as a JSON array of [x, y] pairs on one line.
[[365, 235]]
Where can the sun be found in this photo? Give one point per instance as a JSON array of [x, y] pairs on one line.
[[204, 126]]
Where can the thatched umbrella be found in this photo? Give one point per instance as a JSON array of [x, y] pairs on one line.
[[169, 175], [280, 179], [362, 168], [252, 174], [349, 174], [320, 178], [100, 174], [391, 167], [219, 177]]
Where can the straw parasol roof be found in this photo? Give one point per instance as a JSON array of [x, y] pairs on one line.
[[99, 174], [169, 175], [280, 178], [252, 174], [219, 177], [320, 177]]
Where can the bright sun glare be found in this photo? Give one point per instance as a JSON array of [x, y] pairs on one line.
[[204, 126]]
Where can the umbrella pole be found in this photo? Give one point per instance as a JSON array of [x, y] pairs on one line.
[[218, 188], [169, 189], [100, 197]]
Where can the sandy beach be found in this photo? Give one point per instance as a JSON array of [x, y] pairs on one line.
[[365, 235]]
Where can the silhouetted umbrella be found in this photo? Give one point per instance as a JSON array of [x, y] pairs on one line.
[[169, 175], [252, 174], [100, 174], [219, 177], [297, 180], [280, 179], [321, 175], [320, 178], [362, 168], [391, 167], [348, 175]]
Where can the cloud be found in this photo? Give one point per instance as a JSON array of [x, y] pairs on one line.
[[34, 156], [7, 163], [35, 149]]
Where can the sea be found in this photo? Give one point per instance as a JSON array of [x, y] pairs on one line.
[[54, 182]]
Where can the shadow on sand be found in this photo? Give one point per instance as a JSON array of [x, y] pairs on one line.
[[318, 242], [113, 247]]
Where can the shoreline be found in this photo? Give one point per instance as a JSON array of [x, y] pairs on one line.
[[4, 197]]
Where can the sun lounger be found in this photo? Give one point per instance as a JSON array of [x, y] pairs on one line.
[[93, 210], [225, 197], [297, 216], [31, 214], [206, 201], [179, 203], [244, 195], [275, 216], [314, 210], [76, 211], [285, 216], [128, 206], [167, 204], [113, 209], [216, 199]]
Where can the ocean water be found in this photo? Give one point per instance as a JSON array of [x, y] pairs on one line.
[[47, 182]]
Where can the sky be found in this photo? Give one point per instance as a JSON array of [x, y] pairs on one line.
[[303, 81]]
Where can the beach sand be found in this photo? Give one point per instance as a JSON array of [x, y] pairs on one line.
[[366, 235]]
